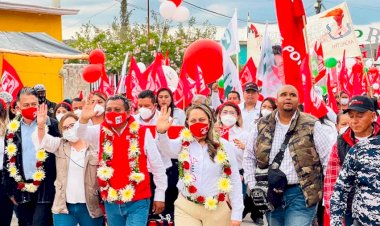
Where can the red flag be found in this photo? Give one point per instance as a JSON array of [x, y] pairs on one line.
[[357, 80], [248, 73], [105, 85], [290, 17], [183, 95], [344, 79], [133, 82], [155, 76], [200, 85], [167, 60], [81, 95], [312, 103], [10, 81], [321, 62], [331, 98]]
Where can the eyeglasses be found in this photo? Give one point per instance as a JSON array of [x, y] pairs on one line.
[[225, 112], [64, 128]]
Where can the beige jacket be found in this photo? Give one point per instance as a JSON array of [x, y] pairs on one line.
[[61, 148]]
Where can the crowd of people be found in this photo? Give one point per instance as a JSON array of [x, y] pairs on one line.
[[102, 160]]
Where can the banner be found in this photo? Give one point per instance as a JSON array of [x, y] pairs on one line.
[[10, 81], [230, 76], [230, 40], [333, 28]]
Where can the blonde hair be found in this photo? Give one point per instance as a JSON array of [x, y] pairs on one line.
[[210, 140]]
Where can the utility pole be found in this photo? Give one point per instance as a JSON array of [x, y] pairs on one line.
[[318, 6], [148, 20]]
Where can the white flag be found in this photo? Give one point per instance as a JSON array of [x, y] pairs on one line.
[[265, 73], [230, 40], [230, 75], [121, 87]]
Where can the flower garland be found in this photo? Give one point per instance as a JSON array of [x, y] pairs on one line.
[[105, 171], [224, 182], [11, 152]]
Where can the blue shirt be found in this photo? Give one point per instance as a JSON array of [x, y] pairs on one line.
[[28, 150]]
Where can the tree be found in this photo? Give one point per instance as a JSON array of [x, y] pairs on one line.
[[124, 37]]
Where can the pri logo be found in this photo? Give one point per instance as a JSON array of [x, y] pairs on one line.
[[9, 83]]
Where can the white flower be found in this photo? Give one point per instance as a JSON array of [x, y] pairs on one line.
[[127, 193], [13, 171], [137, 177], [186, 135], [17, 178], [224, 184], [112, 195], [39, 175], [134, 127], [13, 126], [29, 187], [105, 173], [211, 203], [221, 157], [108, 149], [187, 178], [41, 155], [11, 150], [183, 156], [134, 150]]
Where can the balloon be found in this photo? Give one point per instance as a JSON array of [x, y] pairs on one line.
[[331, 62], [181, 14], [97, 56], [373, 70], [221, 83], [92, 72], [141, 66], [375, 86], [324, 90], [171, 77], [207, 55], [167, 9], [369, 63], [366, 70], [176, 2]]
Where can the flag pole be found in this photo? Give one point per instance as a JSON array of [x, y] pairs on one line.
[[237, 54]]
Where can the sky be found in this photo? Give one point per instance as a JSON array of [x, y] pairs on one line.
[[102, 12]]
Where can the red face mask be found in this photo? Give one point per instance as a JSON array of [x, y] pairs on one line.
[[199, 129], [115, 118], [29, 113]]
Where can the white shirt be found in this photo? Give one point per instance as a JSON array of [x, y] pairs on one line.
[[91, 134], [249, 116], [179, 117], [75, 177], [206, 172], [153, 122], [240, 134], [321, 142], [2, 149]]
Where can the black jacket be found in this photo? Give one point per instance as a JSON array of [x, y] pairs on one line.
[[46, 190]]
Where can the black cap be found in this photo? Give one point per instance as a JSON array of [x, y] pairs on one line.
[[360, 104], [251, 86]]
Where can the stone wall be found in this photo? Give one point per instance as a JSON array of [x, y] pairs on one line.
[[73, 82]]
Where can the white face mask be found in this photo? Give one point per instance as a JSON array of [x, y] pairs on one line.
[[145, 113], [344, 101], [99, 109], [78, 112], [59, 116], [228, 120], [342, 130], [265, 112], [70, 135]]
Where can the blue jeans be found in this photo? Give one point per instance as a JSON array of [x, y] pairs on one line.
[[293, 212], [78, 214], [128, 214]]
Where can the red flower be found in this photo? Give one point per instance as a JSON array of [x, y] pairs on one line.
[[221, 197], [186, 165], [227, 171], [38, 164], [102, 183], [10, 136], [12, 160], [104, 194], [186, 143], [21, 185], [192, 189], [109, 163], [37, 183], [201, 199]]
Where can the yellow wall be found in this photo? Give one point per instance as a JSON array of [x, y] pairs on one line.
[[33, 70]]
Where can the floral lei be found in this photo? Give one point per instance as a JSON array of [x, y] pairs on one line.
[[11, 152], [105, 171], [224, 182]]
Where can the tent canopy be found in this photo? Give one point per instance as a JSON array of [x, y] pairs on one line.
[[37, 44]]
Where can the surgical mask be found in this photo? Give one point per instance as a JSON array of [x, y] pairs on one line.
[[99, 109], [145, 113], [59, 116], [70, 135], [343, 129], [266, 112], [78, 112], [344, 101], [228, 120]]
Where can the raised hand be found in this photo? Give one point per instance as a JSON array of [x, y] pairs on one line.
[[164, 121], [42, 115], [87, 111]]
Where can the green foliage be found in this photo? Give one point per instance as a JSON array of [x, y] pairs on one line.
[[122, 37]]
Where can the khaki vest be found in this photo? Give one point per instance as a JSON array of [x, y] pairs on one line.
[[302, 150]]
